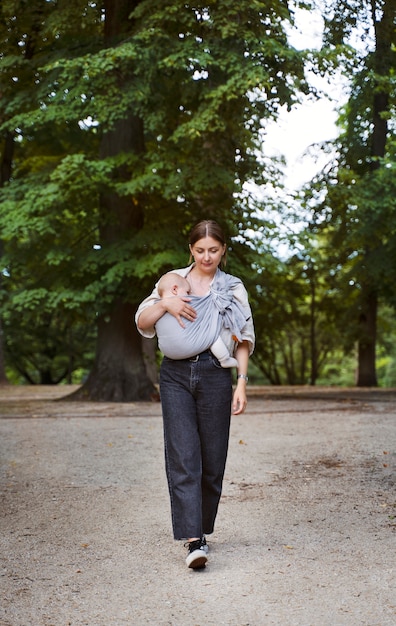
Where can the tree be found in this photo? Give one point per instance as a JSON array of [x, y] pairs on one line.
[[6, 155], [296, 313], [40, 235], [162, 108], [47, 347], [356, 207]]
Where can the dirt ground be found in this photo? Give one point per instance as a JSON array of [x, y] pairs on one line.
[[305, 534]]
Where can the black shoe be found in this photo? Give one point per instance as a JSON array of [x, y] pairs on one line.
[[196, 558]]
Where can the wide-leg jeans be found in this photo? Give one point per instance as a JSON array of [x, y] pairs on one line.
[[196, 396]]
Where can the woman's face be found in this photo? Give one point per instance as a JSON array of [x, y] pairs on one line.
[[207, 253]]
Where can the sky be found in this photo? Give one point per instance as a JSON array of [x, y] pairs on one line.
[[294, 132], [310, 122]]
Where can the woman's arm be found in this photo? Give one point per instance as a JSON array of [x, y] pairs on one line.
[[242, 356], [150, 315]]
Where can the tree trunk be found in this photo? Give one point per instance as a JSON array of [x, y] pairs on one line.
[[383, 66], [312, 333], [5, 175], [366, 349], [119, 373], [150, 358]]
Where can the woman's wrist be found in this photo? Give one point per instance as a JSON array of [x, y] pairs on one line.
[[242, 378]]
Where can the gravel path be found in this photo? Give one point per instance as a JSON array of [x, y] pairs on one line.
[[305, 534]]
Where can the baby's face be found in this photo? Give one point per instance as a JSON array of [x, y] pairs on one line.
[[181, 291]]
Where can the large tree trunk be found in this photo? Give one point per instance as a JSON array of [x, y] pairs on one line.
[[5, 175], [383, 66], [119, 373], [367, 341]]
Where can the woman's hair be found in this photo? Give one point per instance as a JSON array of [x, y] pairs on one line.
[[208, 228]]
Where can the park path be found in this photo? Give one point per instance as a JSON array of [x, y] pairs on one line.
[[305, 534]]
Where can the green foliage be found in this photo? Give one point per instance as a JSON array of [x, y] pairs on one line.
[[353, 202], [123, 139], [340, 368], [296, 314], [46, 347]]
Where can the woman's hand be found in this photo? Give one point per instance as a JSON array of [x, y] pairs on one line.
[[239, 401], [179, 307]]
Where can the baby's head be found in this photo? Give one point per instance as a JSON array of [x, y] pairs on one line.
[[173, 284]]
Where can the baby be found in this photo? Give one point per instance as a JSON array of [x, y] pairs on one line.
[[176, 342]]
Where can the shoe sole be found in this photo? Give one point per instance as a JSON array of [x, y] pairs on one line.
[[196, 559]]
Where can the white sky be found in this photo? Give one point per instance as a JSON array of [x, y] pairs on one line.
[[312, 121], [294, 132]]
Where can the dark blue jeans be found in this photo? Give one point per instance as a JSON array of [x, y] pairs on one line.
[[196, 401]]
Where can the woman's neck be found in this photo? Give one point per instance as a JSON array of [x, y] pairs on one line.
[[200, 283]]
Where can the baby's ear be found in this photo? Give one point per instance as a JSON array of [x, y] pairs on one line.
[[174, 290]]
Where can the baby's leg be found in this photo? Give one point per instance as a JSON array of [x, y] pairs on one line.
[[218, 348]]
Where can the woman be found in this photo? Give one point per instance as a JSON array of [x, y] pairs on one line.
[[196, 395]]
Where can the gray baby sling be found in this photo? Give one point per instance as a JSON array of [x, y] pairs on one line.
[[217, 310]]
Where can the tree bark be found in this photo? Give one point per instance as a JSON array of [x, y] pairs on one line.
[[367, 342], [119, 373]]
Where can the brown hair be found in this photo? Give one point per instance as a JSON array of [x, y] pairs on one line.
[[208, 228]]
